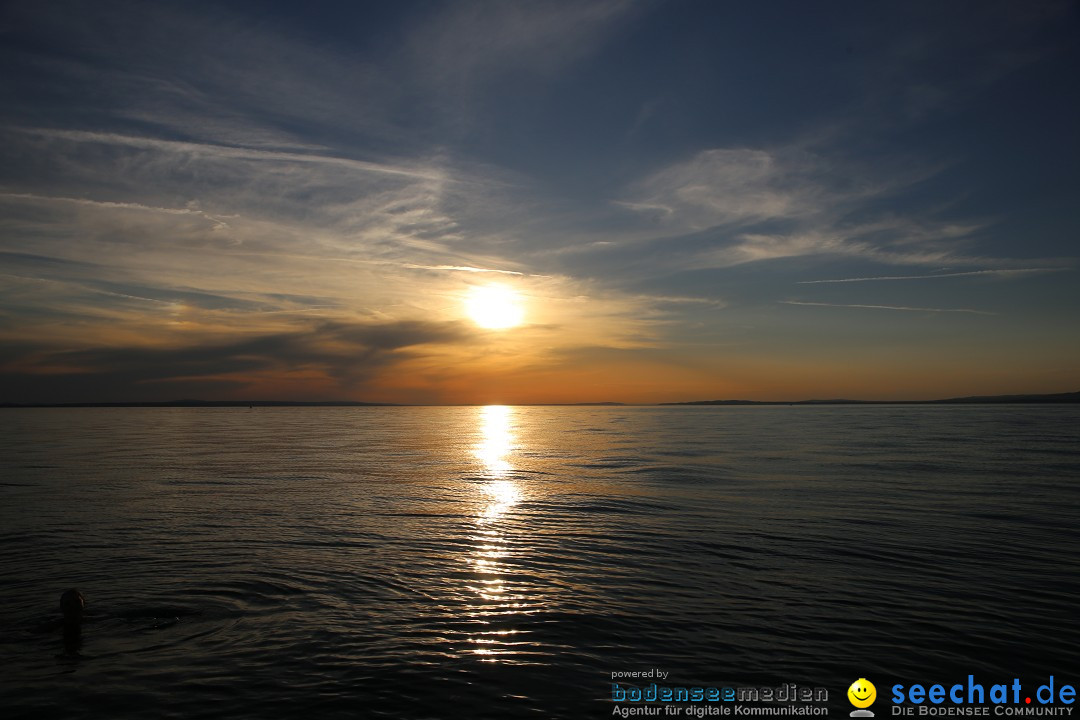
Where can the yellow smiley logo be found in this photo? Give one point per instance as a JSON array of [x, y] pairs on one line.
[[862, 693]]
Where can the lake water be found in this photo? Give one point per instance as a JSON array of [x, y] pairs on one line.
[[504, 562]]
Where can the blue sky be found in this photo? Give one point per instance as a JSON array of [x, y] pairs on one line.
[[689, 200]]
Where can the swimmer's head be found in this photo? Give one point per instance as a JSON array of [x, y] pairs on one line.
[[72, 604]]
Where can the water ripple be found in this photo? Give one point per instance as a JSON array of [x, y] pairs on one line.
[[491, 562]]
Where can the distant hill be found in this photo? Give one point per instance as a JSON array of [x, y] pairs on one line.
[[1055, 398], [581, 404], [1073, 397]]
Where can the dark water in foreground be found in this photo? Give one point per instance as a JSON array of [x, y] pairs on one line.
[[503, 562]]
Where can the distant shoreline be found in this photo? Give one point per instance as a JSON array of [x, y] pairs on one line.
[[1056, 398]]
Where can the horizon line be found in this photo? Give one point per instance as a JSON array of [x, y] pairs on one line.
[[1034, 398]]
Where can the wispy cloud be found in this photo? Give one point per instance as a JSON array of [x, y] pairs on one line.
[[682, 300], [218, 221], [1015, 272], [84, 288], [729, 186], [234, 152], [284, 202], [461, 268], [903, 244], [732, 206], [888, 307]]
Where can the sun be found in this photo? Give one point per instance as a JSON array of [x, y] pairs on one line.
[[494, 307]]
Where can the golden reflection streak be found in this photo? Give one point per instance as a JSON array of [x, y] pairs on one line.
[[496, 440], [496, 444], [494, 450]]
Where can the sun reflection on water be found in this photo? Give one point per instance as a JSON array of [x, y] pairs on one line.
[[496, 601], [496, 440], [496, 445]]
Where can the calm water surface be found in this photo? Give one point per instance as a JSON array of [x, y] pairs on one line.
[[503, 562]]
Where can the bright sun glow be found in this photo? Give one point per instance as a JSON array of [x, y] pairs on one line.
[[494, 307]]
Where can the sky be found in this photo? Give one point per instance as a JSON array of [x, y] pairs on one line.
[[683, 200]]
